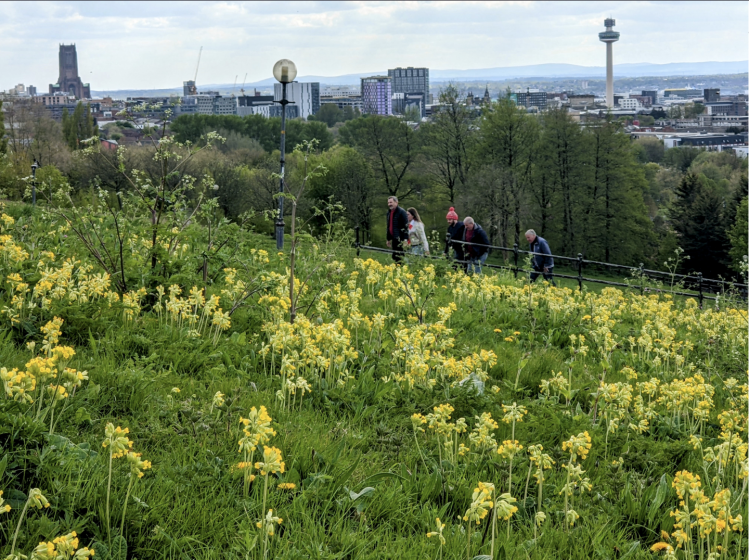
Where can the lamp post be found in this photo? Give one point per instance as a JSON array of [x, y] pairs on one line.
[[284, 71], [34, 167]]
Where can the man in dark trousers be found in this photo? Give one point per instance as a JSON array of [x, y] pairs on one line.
[[397, 228], [542, 262], [476, 250], [455, 231]]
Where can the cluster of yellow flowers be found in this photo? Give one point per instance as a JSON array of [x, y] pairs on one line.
[[256, 431], [61, 548], [194, 312]]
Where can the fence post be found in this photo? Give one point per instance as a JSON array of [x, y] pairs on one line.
[[580, 271], [356, 229], [448, 239], [515, 251], [699, 286], [642, 277]]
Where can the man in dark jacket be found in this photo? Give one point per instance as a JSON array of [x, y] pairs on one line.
[[542, 261], [397, 228], [455, 231], [476, 245]]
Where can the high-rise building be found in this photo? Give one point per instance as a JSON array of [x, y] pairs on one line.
[[377, 93], [304, 95], [189, 88], [69, 80], [652, 94], [712, 95], [609, 37], [411, 81]]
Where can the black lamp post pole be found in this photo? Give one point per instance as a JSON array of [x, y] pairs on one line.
[[33, 183], [279, 222]]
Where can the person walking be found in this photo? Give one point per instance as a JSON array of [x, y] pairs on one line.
[[542, 261], [417, 237], [476, 245], [397, 228], [455, 230]]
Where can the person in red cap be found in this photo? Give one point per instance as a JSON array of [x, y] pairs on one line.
[[454, 231]]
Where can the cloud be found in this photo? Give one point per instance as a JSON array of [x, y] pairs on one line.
[[155, 44]]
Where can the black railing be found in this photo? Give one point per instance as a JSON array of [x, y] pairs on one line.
[[700, 286]]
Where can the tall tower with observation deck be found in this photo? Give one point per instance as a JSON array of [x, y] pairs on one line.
[[609, 37]]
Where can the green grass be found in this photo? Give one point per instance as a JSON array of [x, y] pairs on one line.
[[342, 440]]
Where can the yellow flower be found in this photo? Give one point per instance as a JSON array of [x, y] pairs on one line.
[[116, 440], [37, 499], [3, 508], [287, 486], [438, 532], [218, 399], [657, 547], [272, 461], [498, 330], [175, 390], [137, 466]]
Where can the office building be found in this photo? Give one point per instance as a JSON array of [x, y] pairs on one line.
[[377, 93], [683, 93], [630, 103], [411, 81], [304, 95], [712, 94], [69, 81], [609, 37], [342, 98], [189, 88], [530, 99], [653, 94]]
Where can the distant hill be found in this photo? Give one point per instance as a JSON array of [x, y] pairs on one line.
[[632, 70]]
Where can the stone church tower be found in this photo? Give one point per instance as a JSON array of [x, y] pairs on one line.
[[69, 81]]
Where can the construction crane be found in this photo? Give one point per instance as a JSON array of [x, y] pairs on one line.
[[195, 79], [243, 83], [191, 87]]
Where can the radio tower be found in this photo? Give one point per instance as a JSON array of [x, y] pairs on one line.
[[609, 37]]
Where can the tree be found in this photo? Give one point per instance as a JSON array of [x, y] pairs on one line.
[[3, 141], [692, 110], [698, 217], [349, 181], [508, 140], [737, 234], [680, 158], [649, 150], [390, 147], [79, 126], [449, 142], [329, 113]]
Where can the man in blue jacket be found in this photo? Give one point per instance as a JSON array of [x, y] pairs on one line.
[[476, 245], [542, 261]]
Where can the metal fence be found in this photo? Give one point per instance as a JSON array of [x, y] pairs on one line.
[[701, 287]]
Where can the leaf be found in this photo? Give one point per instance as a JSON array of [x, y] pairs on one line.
[[482, 557], [119, 548], [345, 475], [634, 547], [82, 415], [101, 552], [365, 492], [660, 497], [3, 465]]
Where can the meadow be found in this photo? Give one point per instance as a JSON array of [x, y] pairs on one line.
[[167, 395]]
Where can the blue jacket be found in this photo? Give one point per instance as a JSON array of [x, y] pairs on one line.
[[544, 260]]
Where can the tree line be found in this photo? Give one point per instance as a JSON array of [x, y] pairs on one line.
[[586, 189]]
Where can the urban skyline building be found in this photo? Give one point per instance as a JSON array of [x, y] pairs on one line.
[[609, 37], [304, 95], [410, 81], [377, 94], [69, 81]]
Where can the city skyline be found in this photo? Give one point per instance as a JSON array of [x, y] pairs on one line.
[[155, 45]]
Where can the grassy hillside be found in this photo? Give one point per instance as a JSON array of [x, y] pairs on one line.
[[408, 412]]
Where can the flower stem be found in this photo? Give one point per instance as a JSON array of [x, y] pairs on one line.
[[18, 527], [124, 506]]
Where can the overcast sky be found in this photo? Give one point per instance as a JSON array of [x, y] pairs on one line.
[[155, 44]]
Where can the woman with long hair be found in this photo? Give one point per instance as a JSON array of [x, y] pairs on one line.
[[417, 237]]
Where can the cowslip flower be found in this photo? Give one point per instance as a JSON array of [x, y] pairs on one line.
[[287, 486], [438, 532], [272, 461], [116, 440], [269, 523], [3, 508], [137, 465], [37, 499]]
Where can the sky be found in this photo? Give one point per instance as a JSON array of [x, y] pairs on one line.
[[155, 44]]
